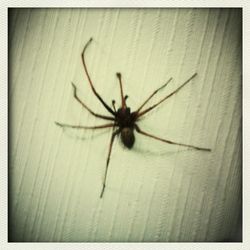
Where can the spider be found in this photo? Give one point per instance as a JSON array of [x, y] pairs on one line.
[[122, 120]]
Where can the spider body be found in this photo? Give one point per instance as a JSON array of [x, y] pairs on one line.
[[123, 121], [125, 118], [128, 137]]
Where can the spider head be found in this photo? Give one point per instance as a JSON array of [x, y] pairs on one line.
[[123, 112], [124, 118]]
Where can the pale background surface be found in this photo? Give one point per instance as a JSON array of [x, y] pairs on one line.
[[155, 192]]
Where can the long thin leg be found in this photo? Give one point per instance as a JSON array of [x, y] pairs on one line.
[[90, 82], [86, 107], [84, 127], [167, 141], [138, 110], [165, 98], [122, 96], [107, 163]]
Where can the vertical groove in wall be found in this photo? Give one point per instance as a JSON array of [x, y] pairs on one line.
[[183, 231], [204, 128], [179, 202], [63, 205], [164, 197], [71, 201], [220, 170], [36, 114], [47, 149], [167, 232], [27, 104], [49, 171], [205, 195], [45, 153], [77, 165]]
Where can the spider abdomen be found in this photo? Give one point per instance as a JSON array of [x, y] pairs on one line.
[[127, 136]]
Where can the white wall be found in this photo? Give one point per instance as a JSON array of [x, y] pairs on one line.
[[156, 191]]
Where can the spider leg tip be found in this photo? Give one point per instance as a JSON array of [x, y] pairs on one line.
[[101, 194], [206, 149]]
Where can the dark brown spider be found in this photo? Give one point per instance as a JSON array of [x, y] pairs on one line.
[[123, 119]]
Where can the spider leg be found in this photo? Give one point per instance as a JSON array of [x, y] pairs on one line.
[[108, 158], [166, 97], [113, 104], [138, 110], [84, 127], [168, 141], [89, 79], [123, 99], [86, 107]]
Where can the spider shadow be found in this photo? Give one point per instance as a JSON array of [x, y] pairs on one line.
[[72, 134], [156, 153]]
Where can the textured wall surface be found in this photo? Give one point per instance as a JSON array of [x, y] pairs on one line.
[[156, 191]]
